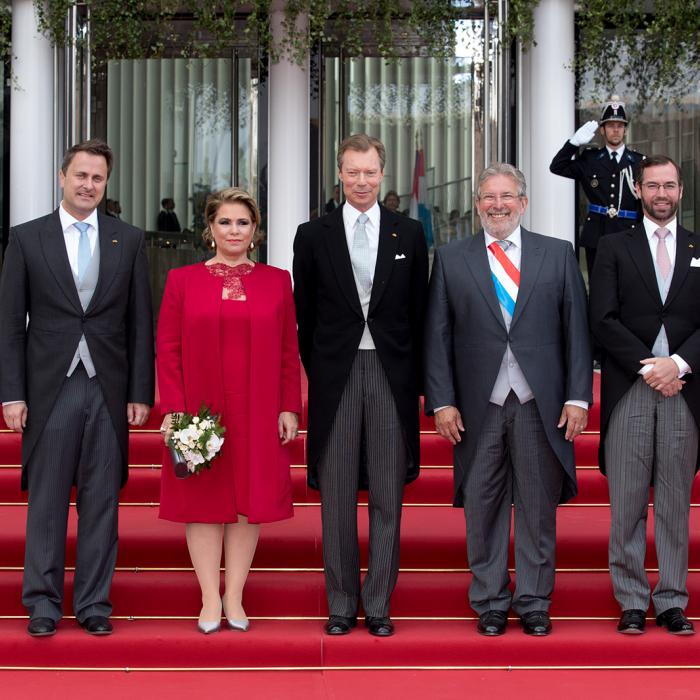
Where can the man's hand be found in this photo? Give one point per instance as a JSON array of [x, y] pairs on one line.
[[585, 133], [664, 371], [137, 413], [575, 419], [673, 388], [15, 415], [448, 423], [287, 426]]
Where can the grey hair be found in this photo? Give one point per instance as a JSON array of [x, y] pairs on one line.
[[502, 169]]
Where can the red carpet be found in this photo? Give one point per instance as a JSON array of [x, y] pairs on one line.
[[156, 599]]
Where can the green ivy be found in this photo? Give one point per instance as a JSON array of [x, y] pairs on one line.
[[653, 46], [145, 28]]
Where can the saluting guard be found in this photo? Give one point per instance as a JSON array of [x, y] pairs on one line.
[[606, 175]]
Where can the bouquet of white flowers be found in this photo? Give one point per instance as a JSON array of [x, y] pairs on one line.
[[195, 442]]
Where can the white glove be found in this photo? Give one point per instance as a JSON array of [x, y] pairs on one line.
[[585, 133]]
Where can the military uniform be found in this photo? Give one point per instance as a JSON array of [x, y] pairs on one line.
[[608, 183]]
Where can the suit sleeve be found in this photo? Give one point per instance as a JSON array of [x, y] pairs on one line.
[[566, 162], [616, 339], [290, 390], [171, 384], [141, 371], [304, 271], [439, 370], [579, 378], [13, 322], [418, 301]]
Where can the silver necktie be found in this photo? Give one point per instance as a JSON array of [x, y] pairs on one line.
[[359, 254]]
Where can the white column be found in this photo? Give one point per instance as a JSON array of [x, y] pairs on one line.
[[32, 176], [548, 119], [288, 162]]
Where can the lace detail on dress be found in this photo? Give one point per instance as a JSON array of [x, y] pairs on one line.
[[233, 287]]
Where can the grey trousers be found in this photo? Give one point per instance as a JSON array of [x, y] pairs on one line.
[[367, 408], [78, 445], [513, 464], [650, 438]]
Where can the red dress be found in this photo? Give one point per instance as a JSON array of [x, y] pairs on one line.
[[241, 359]]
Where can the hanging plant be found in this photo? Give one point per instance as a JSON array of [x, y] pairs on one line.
[[651, 46], [142, 28]]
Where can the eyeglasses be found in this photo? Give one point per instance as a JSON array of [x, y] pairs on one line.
[[506, 198], [656, 186]]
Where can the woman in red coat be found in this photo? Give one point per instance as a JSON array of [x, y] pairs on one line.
[[227, 338]]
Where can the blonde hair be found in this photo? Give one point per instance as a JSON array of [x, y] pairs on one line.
[[231, 195]]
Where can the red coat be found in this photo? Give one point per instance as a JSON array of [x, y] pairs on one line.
[[189, 373]]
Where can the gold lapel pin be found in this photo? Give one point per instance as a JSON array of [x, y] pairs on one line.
[[114, 241], [395, 235], [691, 245]]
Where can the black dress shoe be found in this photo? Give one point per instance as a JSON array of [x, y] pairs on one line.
[[97, 625], [337, 624], [379, 626], [536, 623], [41, 627], [632, 621], [675, 621], [492, 623]]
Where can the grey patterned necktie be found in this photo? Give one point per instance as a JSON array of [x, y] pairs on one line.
[[84, 253], [359, 254]]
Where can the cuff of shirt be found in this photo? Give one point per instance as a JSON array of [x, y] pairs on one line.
[[439, 408], [683, 366], [580, 404], [8, 403]]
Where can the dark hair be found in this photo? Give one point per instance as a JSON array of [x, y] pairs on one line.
[[163, 202], [95, 147], [652, 161], [362, 143], [232, 195]]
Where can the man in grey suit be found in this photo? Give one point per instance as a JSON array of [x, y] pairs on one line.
[[76, 368], [645, 314], [508, 377]]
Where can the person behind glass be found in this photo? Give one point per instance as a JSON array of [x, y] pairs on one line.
[[227, 338], [334, 201], [167, 218], [392, 200]]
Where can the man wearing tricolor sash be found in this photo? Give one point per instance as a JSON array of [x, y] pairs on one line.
[[508, 378]]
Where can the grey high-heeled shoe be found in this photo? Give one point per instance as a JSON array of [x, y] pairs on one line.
[[209, 626], [238, 625]]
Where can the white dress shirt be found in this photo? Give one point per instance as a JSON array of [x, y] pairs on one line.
[[619, 150], [71, 235], [350, 216], [661, 343]]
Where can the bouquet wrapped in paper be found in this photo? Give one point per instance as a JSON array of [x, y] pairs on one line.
[[195, 442]]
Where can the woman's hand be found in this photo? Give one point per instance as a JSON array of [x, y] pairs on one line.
[[287, 426], [166, 429]]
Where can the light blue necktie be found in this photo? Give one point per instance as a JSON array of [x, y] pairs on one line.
[[84, 253], [359, 255]]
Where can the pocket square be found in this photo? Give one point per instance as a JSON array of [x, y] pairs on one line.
[[694, 262], [401, 256]]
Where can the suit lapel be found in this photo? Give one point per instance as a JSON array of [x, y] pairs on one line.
[[54, 246], [638, 247], [686, 248], [477, 261], [389, 237], [111, 246], [531, 258], [339, 255]]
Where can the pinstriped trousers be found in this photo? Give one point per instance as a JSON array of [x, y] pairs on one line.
[[513, 464], [366, 410], [78, 445], [650, 437]]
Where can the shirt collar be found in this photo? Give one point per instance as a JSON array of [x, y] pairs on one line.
[[515, 238], [350, 215], [67, 220], [651, 226], [620, 150]]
